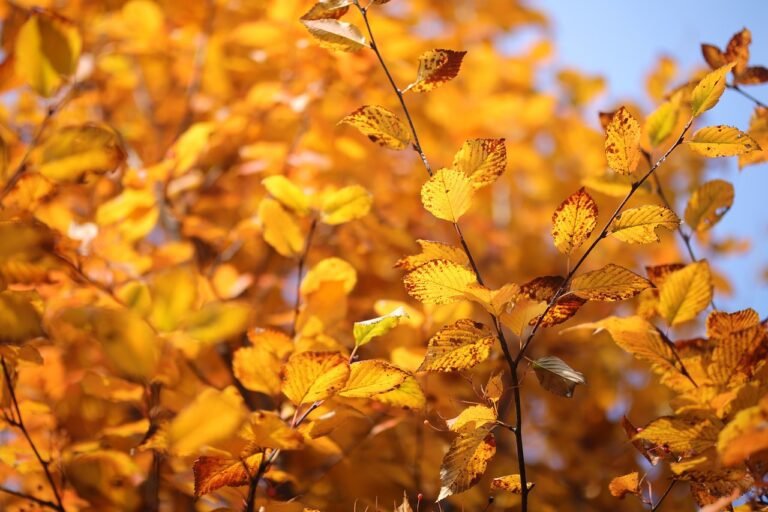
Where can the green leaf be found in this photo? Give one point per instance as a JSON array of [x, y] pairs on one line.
[[366, 330]]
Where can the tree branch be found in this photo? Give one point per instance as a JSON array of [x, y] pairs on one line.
[[302, 263], [657, 506], [19, 423], [744, 93]]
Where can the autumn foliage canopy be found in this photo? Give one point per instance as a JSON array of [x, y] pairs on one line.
[[348, 255]]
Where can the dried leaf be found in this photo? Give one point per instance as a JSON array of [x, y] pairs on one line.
[[625, 484], [510, 483], [482, 160], [435, 68], [380, 125], [458, 347], [622, 142], [465, 462], [610, 283], [212, 473], [556, 376]]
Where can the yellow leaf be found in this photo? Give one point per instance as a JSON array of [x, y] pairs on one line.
[[365, 331], [685, 293], [610, 283], [435, 68], [465, 462], [218, 321], [173, 295], [573, 221], [212, 473], [344, 205], [641, 339], [707, 92], [495, 388], [524, 312], [510, 483], [380, 125], [47, 49], [473, 418], [99, 476], [722, 325], [433, 251], [75, 150], [482, 160], [281, 230], [19, 320], [267, 430], [744, 435], [625, 484], [622, 142], [663, 120], [257, 369], [494, 301], [717, 141], [287, 193], [439, 282], [329, 270], [128, 341], [708, 204], [336, 35], [373, 377], [732, 351], [447, 194], [327, 9], [407, 395], [682, 435], [313, 376], [458, 347], [639, 225], [213, 416], [758, 130]]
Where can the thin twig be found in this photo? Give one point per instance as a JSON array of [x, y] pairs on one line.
[[663, 496], [299, 272], [42, 503], [603, 234], [19, 423], [511, 362], [744, 93]]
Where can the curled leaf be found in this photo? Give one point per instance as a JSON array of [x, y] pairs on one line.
[[435, 68], [556, 376]]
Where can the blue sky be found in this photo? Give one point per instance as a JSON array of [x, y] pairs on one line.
[[622, 40]]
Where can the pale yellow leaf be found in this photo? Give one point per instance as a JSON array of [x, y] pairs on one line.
[[685, 293], [366, 330], [257, 369], [458, 347], [573, 221], [684, 434], [717, 141], [466, 461], [380, 126], [707, 92], [280, 229], [639, 225], [372, 377], [287, 193], [335, 34], [329, 270], [439, 282], [433, 251], [473, 418], [447, 194], [71, 152], [346, 204], [663, 120], [622, 142]]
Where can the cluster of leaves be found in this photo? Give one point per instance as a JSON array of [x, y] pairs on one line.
[[204, 300]]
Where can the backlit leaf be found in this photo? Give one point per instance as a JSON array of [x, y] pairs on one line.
[[625, 484], [482, 160], [717, 141], [447, 194], [281, 230], [622, 142], [732, 351], [458, 347], [257, 369], [639, 225], [287, 193], [19, 320], [556, 376], [329, 270], [47, 50], [336, 35], [573, 221], [366, 330], [380, 125], [327, 9], [610, 283], [473, 418], [212, 473], [218, 321], [267, 430], [681, 434], [433, 251], [745, 435], [313, 376], [435, 68], [707, 92], [722, 325], [73, 151], [663, 120], [372, 377], [708, 203], [685, 293], [641, 339], [466, 461], [510, 483], [211, 417], [407, 395], [347, 204], [439, 282], [494, 301]]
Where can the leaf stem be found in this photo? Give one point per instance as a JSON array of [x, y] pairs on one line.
[[746, 95], [19, 423], [302, 263]]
